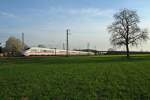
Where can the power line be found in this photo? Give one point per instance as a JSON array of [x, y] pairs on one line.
[[63, 46]]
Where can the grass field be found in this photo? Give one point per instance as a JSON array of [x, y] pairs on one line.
[[75, 78]]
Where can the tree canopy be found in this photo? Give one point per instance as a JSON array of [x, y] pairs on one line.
[[15, 45]]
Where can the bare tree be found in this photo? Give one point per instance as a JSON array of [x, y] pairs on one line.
[[125, 31]]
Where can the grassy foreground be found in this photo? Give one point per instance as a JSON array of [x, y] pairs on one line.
[[75, 78]]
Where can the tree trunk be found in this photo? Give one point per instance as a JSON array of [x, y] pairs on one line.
[[127, 50]]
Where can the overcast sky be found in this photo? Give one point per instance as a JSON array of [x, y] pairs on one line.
[[45, 21]]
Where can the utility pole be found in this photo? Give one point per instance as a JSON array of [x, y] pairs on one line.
[[0, 48], [95, 50], [63, 46], [67, 43], [55, 51], [88, 47], [22, 41]]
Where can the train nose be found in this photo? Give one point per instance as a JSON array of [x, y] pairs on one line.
[[26, 54]]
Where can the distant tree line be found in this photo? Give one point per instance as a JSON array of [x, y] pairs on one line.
[[124, 52]]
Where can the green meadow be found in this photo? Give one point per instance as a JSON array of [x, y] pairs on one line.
[[75, 78]]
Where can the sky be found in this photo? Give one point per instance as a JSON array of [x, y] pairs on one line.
[[45, 21]]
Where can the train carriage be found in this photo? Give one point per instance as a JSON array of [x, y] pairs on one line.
[[37, 51]]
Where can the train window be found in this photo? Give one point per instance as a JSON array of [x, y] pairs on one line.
[[52, 51], [34, 50], [45, 51], [49, 51], [62, 51]]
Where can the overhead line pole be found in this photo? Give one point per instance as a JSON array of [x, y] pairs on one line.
[[63, 46], [67, 44], [55, 51], [88, 48], [22, 41]]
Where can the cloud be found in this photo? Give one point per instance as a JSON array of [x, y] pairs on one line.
[[8, 15], [91, 12]]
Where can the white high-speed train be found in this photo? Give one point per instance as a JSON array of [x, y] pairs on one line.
[[37, 51]]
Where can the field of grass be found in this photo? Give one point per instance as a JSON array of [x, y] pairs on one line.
[[75, 78]]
